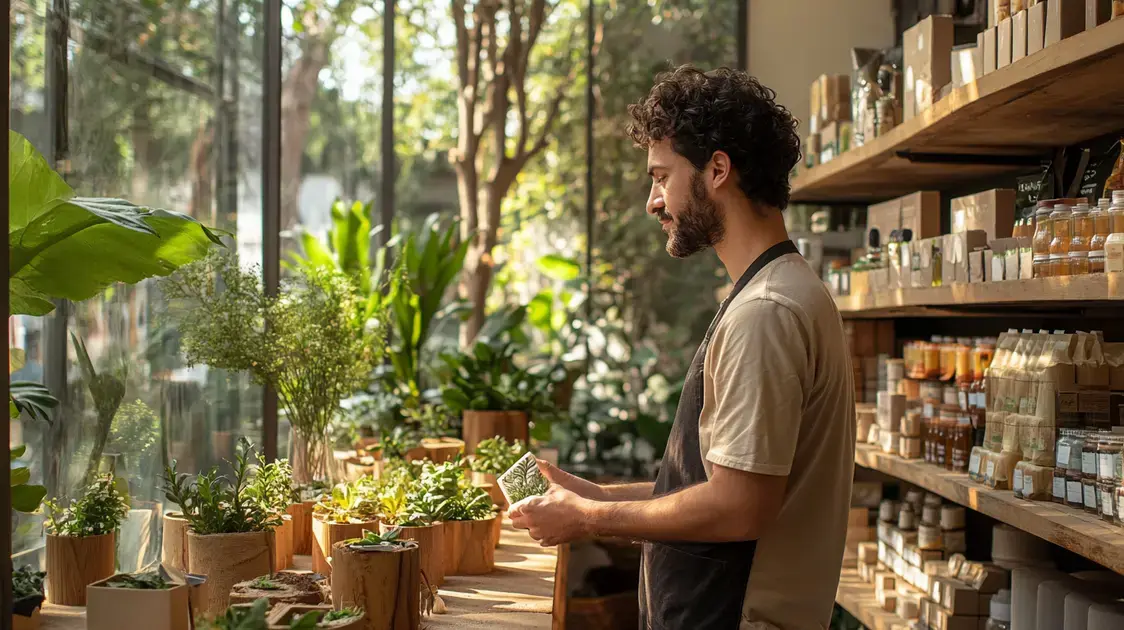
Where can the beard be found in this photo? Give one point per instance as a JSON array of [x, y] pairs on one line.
[[700, 224]]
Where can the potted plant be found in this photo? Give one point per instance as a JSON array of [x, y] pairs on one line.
[[81, 541], [467, 516], [231, 535], [301, 511], [173, 542], [27, 597], [285, 587], [344, 513], [143, 601], [412, 513], [380, 574], [272, 487], [313, 343], [492, 458], [259, 616]]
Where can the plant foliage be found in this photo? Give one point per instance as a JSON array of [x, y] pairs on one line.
[[108, 390], [272, 485], [487, 378], [27, 583], [443, 492], [150, 581], [100, 510], [212, 504], [26, 497], [354, 502], [494, 455]]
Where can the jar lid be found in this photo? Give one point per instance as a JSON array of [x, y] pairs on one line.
[[1079, 254], [1096, 253], [1041, 257], [1056, 257]]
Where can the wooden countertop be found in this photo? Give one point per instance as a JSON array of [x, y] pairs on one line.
[[519, 594], [858, 598]]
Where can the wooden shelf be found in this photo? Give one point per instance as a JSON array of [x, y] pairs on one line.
[[1059, 96], [857, 597], [1075, 530], [1067, 292]]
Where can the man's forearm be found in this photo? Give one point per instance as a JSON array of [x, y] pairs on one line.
[[694, 514], [626, 491]]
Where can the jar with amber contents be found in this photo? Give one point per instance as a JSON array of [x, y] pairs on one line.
[[1059, 265], [1079, 263], [1079, 244], [931, 358], [1043, 232], [1102, 227], [1096, 261], [1042, 268], [1062, 220]]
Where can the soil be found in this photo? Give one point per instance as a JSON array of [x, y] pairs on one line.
[[296, 588]]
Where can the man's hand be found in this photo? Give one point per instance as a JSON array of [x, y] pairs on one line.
[[556, 517], [577, 485]]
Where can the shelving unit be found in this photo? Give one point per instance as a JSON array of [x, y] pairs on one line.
[[857, 597], [1077, 531], [1068, 292], [1062, 95]]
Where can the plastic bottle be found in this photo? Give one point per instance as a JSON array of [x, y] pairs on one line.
[[1000, 618]]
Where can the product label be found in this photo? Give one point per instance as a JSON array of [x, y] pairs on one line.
[[927, 410], [1018, 485], [1091, 497], [1059, 487], [990, 470], [1105, 466], [974, 464], [1088, 463], [1063, 456], [962, 399], [1028, 486], [1106, 502], [1073, 491]]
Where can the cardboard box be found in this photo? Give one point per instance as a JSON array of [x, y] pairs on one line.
[[992, 211], [812, 150], [815, 102], [1005, 259], [834, 98], [1018, 35], [994, 265], [927, 57], [991, 50], [1064, 18], [884, 217], [977, 268], [964, 65], [109, 608], [1026, 258], [929, 272], [948, 269], [1036, 28], [962, 243], [1097, 12], [1003, 43], [956, 597], [921, 213], [829, 142]]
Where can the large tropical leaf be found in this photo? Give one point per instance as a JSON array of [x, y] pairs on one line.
[[25, 497], [32, 398], [63, 246]]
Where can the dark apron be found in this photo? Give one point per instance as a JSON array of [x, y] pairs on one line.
[[686, 585]]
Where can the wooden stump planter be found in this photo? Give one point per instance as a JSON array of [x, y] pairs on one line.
[[484, 425], [487, 482], [302, 527], [431, 548], [497, 530], [325, 534], [227, 559], [74, 562], [441, 450], [470, 547], [292, 588], [173, 543], [385, 581], [283, 550], [283, 615], [112, 608], [26, 622]]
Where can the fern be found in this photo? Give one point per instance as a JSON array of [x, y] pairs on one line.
[[523, 479]]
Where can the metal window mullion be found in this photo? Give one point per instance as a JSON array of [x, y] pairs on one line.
[[271, 192]]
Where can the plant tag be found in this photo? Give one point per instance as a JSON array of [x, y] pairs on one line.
[[522, 480]]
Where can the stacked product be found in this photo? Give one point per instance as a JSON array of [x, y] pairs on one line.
[[891, 410], [830, 119]]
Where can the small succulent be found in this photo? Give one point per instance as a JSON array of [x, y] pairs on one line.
[[264, 583], [150, 581], [373, 541]]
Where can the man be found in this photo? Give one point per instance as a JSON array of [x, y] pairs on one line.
[[746, 522]]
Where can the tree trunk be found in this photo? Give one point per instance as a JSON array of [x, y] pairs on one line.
[[202, 177], [297, 93]]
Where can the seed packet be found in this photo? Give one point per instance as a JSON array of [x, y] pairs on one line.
[[522, 480]]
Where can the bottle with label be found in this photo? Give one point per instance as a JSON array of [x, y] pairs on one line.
[[1062, 220], [961, 443], [1074, 494]]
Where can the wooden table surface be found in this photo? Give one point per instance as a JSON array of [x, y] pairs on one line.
[[519, 594]]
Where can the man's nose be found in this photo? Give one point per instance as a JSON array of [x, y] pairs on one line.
[[655, 203]]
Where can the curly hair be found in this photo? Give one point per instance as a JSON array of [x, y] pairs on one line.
[[722, 110]]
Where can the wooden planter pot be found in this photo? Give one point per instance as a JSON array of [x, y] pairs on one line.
[[227, 559], [470, 547], [483, 425], [385, 583], [280, 617], [302, 527], [74, 562], [109, 608], [488, 483], [431, 547], [295, 588], [440, 450], [173, 551], [325, 534], [283, 550], [26, 622]]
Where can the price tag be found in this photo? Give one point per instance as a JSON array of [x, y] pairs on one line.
[[1091, 497], [1018, 485], [1104, 466], [991, 470], [1073, 491], [974, 464], [1059, 487], [1088, 463], [1028, 486], [1063, 455]]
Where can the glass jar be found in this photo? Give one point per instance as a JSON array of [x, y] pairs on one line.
[[931, 361], [1096, 261], [1073, 491], [1062, 220], [1106, 500], [964, 374], [1083, 228], [1089, 457], [1059, 265], [960, 444], [1079, 263], [1101, 227], [1108, 458], [1059, 486], [1116, 212], [1043, 232], [1062, 449], [1041, 266], [1089, 496]]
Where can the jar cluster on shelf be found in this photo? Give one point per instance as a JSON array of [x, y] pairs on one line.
[[1071, 237], [1089, 472]]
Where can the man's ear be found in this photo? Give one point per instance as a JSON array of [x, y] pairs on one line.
[[721, 170]]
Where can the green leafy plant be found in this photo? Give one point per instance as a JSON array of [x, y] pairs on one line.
[[400, 505], [353, 502], [135, 433], [374, 539], [151, 581], [310, 343], [212, 504], [27, 583], [26, 497], [100, 510], [430, 420], [341, 614], [64, 246], [486, 378], [272, 485], [250, 617], [107, 390], [523, 480], [264, 583], [494, 455], [398, 441], [443, 492]]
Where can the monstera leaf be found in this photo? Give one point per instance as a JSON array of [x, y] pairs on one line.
[[25, 497], [64, 246]]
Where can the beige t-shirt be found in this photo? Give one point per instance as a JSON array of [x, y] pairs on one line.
[[779, 400]]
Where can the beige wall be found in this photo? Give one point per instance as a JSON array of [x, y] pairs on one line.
[[791, 42]]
